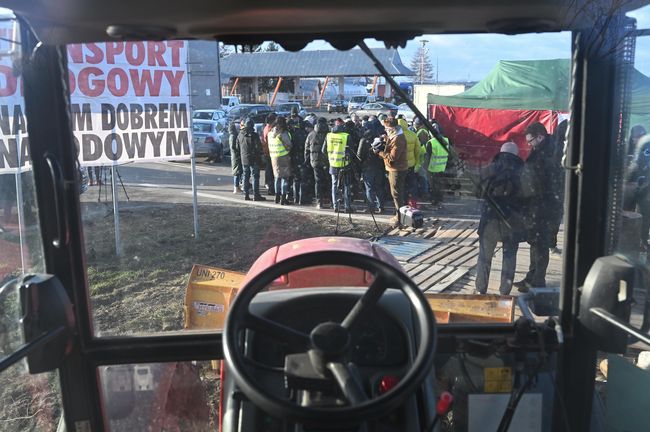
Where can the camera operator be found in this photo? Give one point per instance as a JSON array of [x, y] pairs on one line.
[[396, 163]]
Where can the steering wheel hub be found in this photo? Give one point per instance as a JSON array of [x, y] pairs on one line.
[[331, 338]]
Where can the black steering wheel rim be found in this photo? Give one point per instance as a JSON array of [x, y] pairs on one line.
[[371, 408]]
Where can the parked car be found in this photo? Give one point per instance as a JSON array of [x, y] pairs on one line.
[[376, 108], [256, 112], [208, 137], [404, 110], [284, 109], [356, 102], [229, 102], [337, 106], [211, 114]]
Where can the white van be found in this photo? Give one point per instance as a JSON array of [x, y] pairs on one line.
[[356, 102], [229, 102]]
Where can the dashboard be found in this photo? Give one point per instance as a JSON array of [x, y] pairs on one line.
[[378, 341]]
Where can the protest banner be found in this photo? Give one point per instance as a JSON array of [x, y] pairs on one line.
[[129, 102]]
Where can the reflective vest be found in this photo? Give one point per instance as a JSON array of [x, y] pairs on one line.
[[412, 148], [336, 143], [439, 156], [276, 148], [423, 147]]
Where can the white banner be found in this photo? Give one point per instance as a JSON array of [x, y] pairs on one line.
[[129, 103]]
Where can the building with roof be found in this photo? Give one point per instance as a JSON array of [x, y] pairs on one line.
[[287, 69]]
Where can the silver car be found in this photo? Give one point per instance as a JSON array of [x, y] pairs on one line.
[[207, 137], [376, 108], [211, 114]]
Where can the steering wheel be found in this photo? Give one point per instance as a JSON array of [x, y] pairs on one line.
[[326, 346]]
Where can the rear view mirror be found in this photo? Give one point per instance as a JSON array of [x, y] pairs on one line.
[[219, 127], [606, 303]]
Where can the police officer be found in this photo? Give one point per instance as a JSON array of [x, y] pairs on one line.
[[337, 151]]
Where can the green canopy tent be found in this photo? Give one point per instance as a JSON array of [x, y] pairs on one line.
[[512, 96]]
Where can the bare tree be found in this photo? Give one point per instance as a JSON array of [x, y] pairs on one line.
[[421, 64]]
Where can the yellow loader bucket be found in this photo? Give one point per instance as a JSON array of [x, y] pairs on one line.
[[208, 295]]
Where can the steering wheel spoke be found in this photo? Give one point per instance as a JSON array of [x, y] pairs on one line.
[[329, 338], [369, 299], [279, 331], [348, 383]]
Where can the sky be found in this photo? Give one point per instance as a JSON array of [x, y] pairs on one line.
[[471, 57]]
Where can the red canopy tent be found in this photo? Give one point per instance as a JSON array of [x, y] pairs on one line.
[[499, 108]]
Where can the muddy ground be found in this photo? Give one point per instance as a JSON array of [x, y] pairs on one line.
[[143, 290]]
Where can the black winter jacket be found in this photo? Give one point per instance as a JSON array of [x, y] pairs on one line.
[[500, 188], [314, 146], [249, 147], [540, 179]]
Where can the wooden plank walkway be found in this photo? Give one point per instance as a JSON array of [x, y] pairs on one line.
[[449, 265]]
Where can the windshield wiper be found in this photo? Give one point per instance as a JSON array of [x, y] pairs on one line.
[[450, 151]]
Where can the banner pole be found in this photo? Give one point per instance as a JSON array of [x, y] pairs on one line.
[[195, 207], [19, 204], [116, 214], [194, 201]]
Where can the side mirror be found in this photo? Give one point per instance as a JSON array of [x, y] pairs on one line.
[[606, 303]]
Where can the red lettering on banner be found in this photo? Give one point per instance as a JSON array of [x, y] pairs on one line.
[[76, 53], [8, 81], [174, 79], [176, 51], [123, 82], [138, 58], [113, 49], [155, 53], [97, 54], [84, 82], [142, 81], [72, 84]]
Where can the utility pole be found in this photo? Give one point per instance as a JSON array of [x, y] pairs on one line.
[[437, 70], [422, 59]]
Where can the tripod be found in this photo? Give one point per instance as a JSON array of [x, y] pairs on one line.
[[342, 177], [103, 173]]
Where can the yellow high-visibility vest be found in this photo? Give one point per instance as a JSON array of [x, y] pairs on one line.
[[276, 147], [423, 147], [336, 143], [439, 156]]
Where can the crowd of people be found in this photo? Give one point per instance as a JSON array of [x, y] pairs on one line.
[[381, 158], [523, 202], [312, 162]]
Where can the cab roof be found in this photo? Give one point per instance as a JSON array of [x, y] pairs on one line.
[[294, 23]]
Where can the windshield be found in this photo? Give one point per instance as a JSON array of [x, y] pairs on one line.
[[469, 204], [201, 127], [432, 210], [287, 107], [203, 115]]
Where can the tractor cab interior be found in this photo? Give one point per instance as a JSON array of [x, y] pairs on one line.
[[317, 332]]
